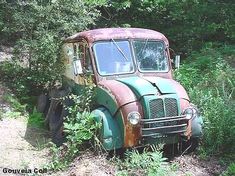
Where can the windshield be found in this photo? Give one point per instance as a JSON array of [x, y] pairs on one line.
[[113, 57], [150, 55]]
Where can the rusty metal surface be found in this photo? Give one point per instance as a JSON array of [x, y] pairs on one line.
[[164, 127], [125, 99], [171, 132], [132, 134], [165, 119], [155, 127], [184, 103], [117, 33], [122, 94], [120, 91], [168, 86]]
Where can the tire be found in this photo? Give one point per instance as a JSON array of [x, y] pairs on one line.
[[43, 104], [190, 145], [170, 150], [55, 117]]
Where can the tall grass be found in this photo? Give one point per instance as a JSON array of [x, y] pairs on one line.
[[210, 82]]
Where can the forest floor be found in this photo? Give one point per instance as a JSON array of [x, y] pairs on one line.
[[23, 146]]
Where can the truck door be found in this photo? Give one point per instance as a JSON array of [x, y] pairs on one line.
[[78, 66]]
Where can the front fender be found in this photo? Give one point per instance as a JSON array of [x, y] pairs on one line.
[[197, 124], [110, 134]]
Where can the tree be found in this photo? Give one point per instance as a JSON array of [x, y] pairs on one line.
[[40, 26], [188, 24]]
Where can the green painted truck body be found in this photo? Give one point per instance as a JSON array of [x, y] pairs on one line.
[[136, 99]]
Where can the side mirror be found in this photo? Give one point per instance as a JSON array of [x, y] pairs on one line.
[[177, 61], [77, 67]]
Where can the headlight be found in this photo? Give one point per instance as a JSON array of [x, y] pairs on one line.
[[133, 118], [191, 112]]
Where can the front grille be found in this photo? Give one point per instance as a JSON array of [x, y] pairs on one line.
[[171, 107], [159, 109], [156, 108], [164, 119]]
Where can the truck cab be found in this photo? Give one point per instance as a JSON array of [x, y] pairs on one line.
[[137, 101]]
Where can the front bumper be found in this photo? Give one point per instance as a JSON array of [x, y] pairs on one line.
[[159, 129]]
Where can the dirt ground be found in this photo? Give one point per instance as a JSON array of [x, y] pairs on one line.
[[192, 165], [24, 147]]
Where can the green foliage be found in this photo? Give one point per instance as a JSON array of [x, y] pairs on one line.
[[1, 114], [210, 82], [187, 24], [36, 119], [16, 78], [79, 127], [14, 103], [40, 27], [58, 160], [230, 170], [146, 163]]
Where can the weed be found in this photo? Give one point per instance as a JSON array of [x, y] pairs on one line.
[[57, 161], [36, 119], [214, 93], [79, 127], [1, 114], [146, 163], [230, 170], [41, 143], [12, 114], [13, 101], [174, 166]]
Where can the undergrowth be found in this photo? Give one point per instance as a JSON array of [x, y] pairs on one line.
[[230, 170], [36, 119], [79, 127], [14, 102], [210, 82], [149, 163]]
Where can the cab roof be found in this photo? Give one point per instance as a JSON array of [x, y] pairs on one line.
[[116, 33]]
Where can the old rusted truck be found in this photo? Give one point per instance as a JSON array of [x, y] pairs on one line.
[[137, 101]]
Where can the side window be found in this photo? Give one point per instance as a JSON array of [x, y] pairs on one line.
[[78, 51], [81, 51], [87, 62]]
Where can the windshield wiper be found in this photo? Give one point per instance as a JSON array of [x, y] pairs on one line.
[[120, 50]]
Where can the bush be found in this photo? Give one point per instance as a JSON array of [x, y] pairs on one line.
[[36, 119], [78, 131], [16, 78], [230, 170], [79, 128], [41, 27], [146, 163], [210, 82]]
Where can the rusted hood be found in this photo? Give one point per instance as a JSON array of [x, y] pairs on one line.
[[168, 86], [152, 85], [117, 91]]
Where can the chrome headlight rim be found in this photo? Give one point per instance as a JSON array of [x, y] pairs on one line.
[[134, 118], [191, 112]]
